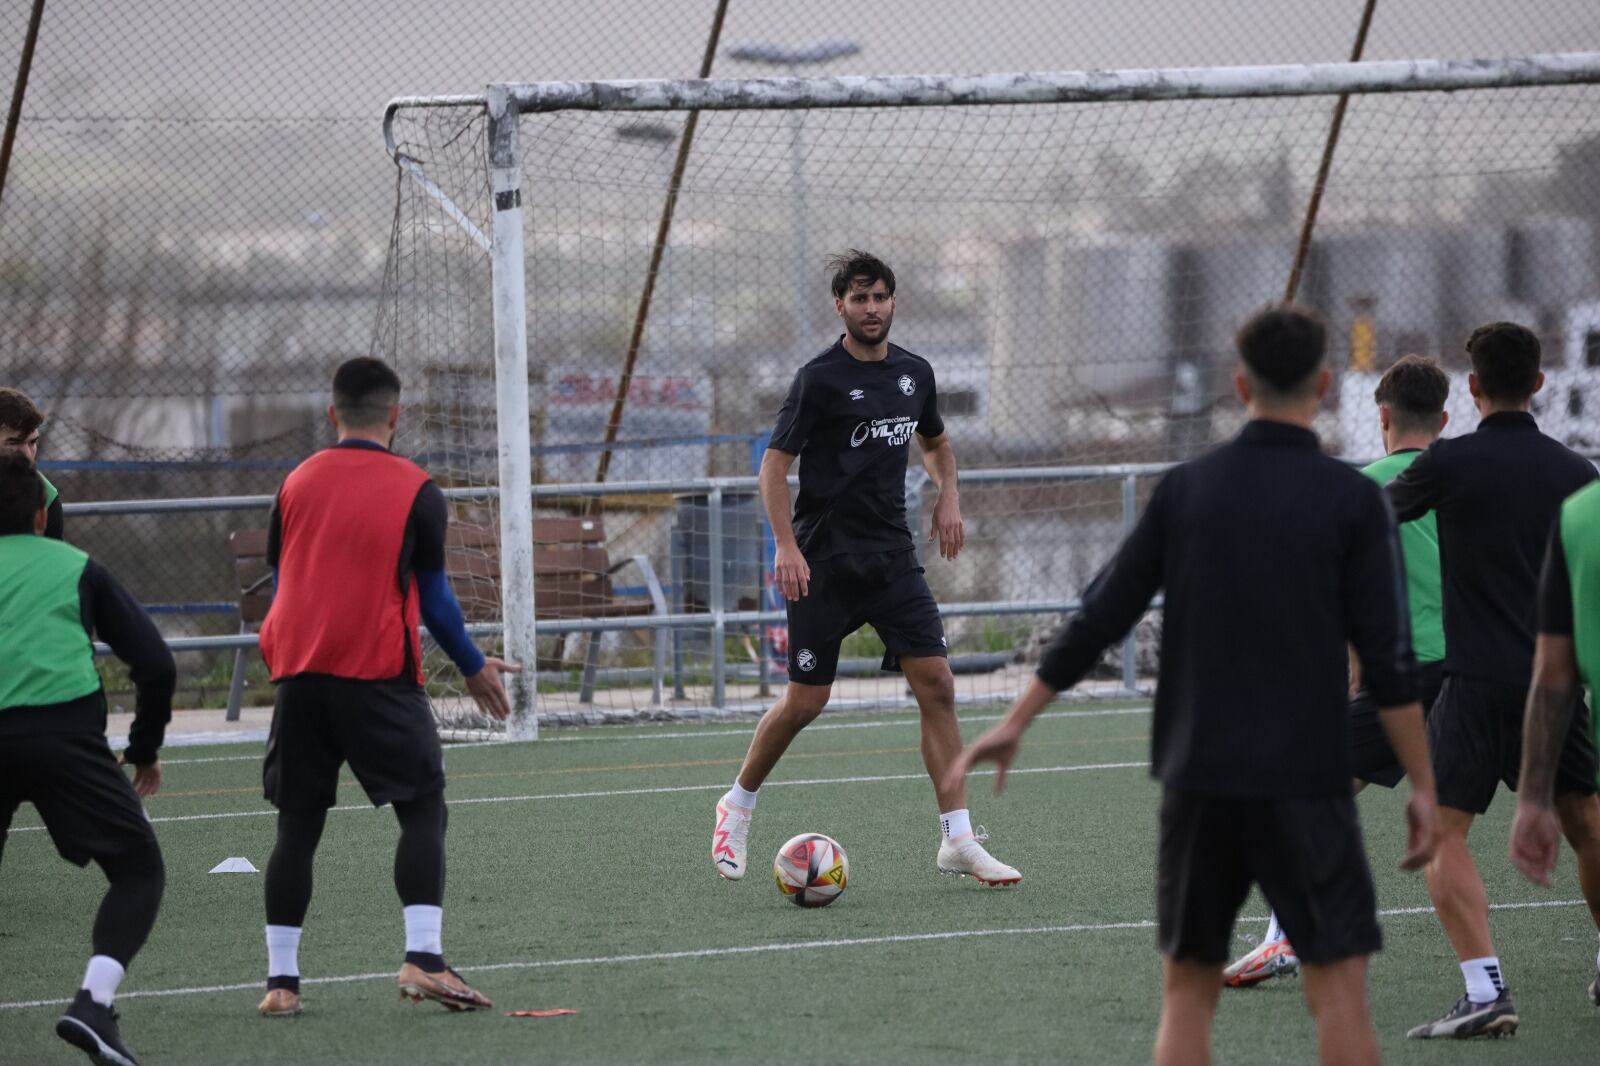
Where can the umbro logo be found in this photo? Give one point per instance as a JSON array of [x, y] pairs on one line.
[[856, 394]]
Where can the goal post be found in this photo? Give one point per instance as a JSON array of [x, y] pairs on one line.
[[515, 448], [1074, 248]]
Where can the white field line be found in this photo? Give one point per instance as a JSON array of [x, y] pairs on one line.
[[745, 949], [659, 791], [820, 727]]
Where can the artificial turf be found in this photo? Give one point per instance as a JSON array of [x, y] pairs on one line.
[[580, 877]]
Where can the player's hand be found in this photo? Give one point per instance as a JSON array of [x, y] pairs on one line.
[[947, 528], [147, 779], [487, 690], [999, 746], [1422, 830], [1535, 842], [791, 571]]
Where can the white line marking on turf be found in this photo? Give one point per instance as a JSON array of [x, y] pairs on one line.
[[657, 791], [744, 949], [695, 734]]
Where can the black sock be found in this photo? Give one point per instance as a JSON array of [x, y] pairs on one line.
[[291, 983], [426, 961]]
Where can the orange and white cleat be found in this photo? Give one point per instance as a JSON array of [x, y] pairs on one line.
[[445, 987], [730, 841], [1269, 959], [966, 855]]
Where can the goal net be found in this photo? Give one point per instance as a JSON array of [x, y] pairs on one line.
[[1074, 253]]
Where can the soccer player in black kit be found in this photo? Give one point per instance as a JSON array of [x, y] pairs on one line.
[[1273, 558], [1496, 493], [846, 557]]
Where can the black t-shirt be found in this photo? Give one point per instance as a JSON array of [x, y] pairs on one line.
[[851, 422], [1496, 492], [1273, 558], [1555, 588]]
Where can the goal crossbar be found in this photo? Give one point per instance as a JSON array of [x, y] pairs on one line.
[[1081, 86]]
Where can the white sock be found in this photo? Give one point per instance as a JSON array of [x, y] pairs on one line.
[[1484, 982], [101, 979], [425, 928], [955, 823], [740, 796], [1274, 930], [283, 951]]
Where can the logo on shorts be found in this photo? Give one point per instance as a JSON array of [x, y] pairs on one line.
[[907, 386], [805, 660], [856, 394]]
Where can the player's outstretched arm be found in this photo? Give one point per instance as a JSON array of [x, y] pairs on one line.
[[1000, 744], [789, 567], [939, 458], [488, 691], [441, 613], [117, 619]]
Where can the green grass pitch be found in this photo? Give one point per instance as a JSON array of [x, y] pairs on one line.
[[580, 877]]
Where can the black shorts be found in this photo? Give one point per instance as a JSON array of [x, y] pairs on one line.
[[1475, 733], [885, 590], [82, 795], [1371, 758], [1306, 854], [384, 729]]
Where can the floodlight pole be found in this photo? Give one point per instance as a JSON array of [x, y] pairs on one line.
[[511, 412], [14, 115]]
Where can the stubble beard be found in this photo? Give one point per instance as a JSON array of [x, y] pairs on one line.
[[860, 336]]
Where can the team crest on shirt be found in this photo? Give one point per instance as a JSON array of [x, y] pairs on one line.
[[907, 386], [805, 660], [856, 394]]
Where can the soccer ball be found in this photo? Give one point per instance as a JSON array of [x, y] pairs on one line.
[[811, 870]]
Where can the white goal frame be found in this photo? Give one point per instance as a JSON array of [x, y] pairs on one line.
[[504, 103]]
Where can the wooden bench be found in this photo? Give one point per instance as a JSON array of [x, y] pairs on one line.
[[254, 579], [572, 581]]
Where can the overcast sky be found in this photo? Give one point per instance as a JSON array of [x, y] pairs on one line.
[[344, 58]]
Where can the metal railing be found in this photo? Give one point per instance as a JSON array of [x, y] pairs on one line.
[[716, 619]]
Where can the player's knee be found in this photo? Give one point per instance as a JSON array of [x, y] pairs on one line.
[[141, 865], [1580, 819], [937, 695], [802, 703]]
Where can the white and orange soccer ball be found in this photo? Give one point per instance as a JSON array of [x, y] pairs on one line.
[[811, 870]]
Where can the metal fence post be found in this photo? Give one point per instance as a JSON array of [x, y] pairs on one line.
[[1130, 646], [719, 680]]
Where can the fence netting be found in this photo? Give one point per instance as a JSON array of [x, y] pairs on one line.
[[197, 227], [1074, 273]]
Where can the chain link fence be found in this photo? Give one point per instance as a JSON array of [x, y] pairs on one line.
[[200, 222]]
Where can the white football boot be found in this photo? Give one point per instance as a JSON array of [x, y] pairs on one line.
[[966, 855], [730, 841]]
